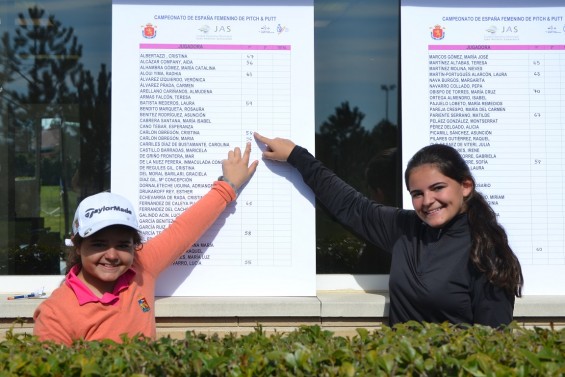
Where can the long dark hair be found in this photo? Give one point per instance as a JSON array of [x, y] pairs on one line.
[[490, 252]]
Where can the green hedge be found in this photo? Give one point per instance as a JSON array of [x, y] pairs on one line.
[[406, 350]]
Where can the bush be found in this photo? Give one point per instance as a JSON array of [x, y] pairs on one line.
[[410, 349]]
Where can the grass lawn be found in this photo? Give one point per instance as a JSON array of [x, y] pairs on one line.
[[52, 208]]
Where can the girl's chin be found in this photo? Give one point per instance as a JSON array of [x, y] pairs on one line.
[[433, 225], [434, 222]]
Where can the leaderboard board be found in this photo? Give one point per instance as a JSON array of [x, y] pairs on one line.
[[490, 81], [191, 81]]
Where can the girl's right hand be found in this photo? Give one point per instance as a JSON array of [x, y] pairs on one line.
[[277, 149]]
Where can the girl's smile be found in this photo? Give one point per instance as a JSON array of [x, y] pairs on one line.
[[437, 198]]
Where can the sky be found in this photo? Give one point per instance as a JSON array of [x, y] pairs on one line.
[[356, 52]]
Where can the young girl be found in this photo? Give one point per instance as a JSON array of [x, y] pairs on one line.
[[110, 291], [450, 258]]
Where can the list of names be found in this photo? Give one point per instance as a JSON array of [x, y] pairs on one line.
[[197, 102], [502, 107]]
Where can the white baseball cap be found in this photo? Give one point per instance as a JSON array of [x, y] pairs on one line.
[[101, 210]]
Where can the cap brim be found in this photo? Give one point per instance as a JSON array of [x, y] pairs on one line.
[[104, 224]]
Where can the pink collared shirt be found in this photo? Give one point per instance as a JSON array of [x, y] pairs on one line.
[[85, 295]]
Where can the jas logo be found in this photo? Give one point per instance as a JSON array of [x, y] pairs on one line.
[[509, 29]]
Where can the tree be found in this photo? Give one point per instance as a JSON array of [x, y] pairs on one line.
[[49, 56], [343, 143], [41, 62], [385, 135], [94, 100], [7, 135]]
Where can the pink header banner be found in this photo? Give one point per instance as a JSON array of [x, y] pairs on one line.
[[497, 47], [196, 46]]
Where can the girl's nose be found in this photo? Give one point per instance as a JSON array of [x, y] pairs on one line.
[[111, 253], [428, 198]]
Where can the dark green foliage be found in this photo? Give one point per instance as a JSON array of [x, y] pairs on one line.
[[337, 255], [410, 349]]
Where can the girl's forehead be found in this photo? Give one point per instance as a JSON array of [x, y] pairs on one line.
[[426, 175]]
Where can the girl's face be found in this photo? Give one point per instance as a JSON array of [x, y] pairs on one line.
[[437, 198], [105, 256]]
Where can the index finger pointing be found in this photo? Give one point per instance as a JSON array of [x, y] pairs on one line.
[[247, 152], [261, 138]]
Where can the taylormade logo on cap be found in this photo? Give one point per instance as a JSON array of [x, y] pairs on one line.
[[93, 211], [102, 210]]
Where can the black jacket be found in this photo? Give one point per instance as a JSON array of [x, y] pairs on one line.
[[431, 277]]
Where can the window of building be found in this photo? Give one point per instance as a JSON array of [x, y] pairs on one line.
[[55, 123]]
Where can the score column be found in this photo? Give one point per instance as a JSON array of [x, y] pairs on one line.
[[249, 122], [551, 74], [266, 208], [539, 161]]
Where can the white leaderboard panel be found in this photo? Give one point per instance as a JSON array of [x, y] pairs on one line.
[[190, 83], [490, 81]]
